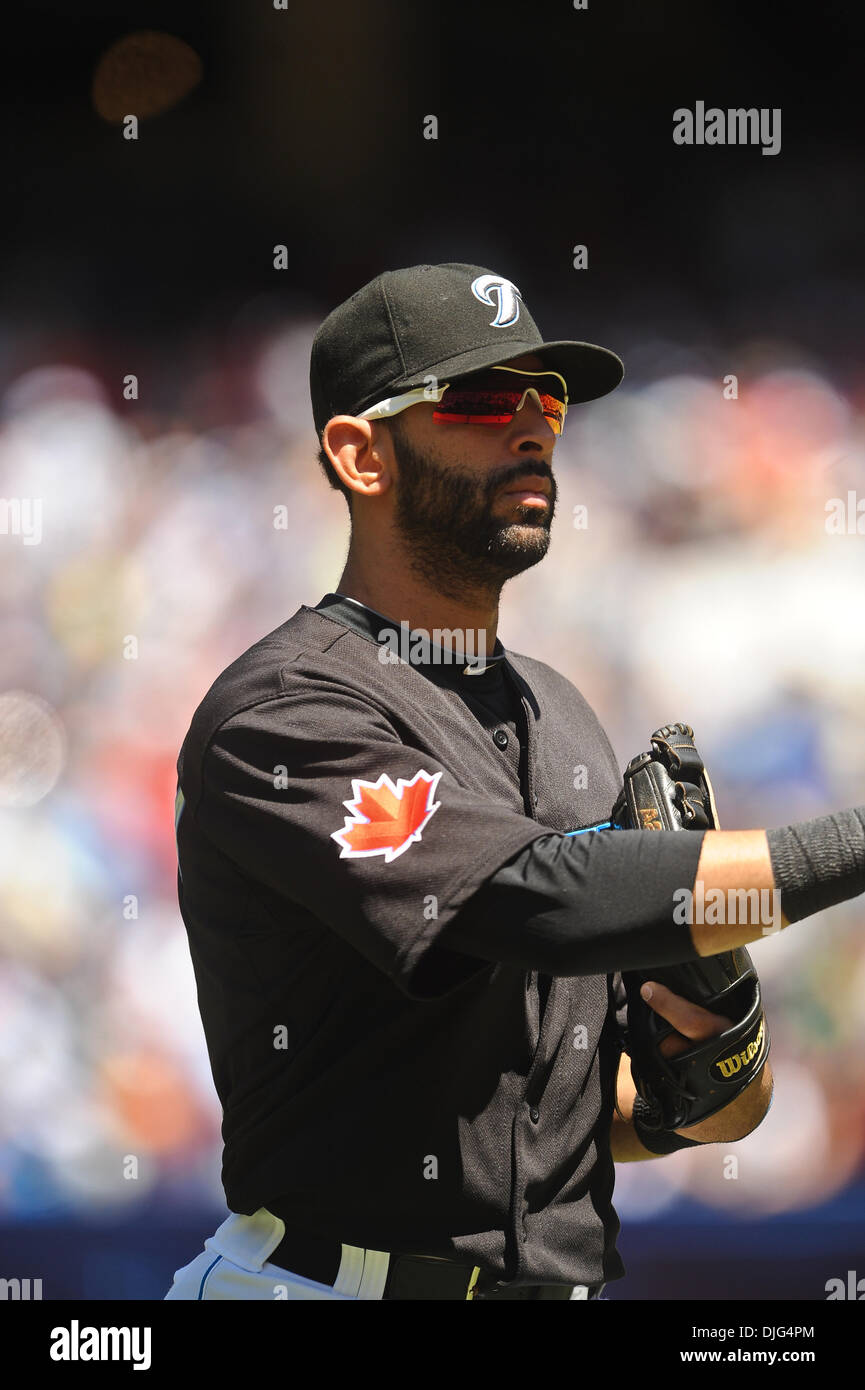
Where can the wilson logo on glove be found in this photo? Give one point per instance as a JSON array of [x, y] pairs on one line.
[[385, 818], [726, 1068]]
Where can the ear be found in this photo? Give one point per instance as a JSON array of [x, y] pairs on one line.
[[361, 454]]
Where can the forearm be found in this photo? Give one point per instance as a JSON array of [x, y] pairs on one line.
[[735, 884], [743, 1114], [583, 905], [606, 901], [797, 870], [624, 1144], [619, 900], [740, 1117]]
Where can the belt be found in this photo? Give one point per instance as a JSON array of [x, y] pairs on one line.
[[408, 1276]]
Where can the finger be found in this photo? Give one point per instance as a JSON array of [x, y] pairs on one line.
[[689, 1019], [672, 1045]]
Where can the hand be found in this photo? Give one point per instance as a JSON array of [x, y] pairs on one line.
[[693, 1023]]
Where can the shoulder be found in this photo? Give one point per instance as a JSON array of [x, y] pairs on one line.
[[287, 661], [294, 682]]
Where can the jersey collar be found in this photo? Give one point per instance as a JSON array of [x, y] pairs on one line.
[[477, 673]]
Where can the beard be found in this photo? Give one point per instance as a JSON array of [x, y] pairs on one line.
[[452, 539]]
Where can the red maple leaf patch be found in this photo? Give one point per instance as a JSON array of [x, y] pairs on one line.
[[385, 818]]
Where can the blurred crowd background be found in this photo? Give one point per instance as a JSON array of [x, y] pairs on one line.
[[700, 583]]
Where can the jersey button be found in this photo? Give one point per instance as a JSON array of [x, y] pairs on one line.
[[534, 1114], [500, 738]]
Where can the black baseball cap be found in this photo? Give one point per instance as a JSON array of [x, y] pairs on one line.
[[437, 320]]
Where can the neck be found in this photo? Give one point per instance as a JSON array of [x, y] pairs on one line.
[[404, 597]]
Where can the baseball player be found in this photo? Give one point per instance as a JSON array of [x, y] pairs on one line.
[[444, 982]]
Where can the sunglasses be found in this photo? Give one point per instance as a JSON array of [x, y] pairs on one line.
[[487, 397]]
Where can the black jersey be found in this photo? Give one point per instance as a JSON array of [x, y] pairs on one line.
[[384, 1083]]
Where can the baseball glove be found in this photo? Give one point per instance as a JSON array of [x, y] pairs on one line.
[[668, 789]]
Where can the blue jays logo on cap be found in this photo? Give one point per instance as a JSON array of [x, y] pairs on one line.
[[507, 298]]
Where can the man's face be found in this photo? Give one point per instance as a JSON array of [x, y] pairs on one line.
[[474, 503]]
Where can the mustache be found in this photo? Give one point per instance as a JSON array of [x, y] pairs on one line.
[[522, 470]]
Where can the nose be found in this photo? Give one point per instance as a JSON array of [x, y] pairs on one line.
[[530, 429]]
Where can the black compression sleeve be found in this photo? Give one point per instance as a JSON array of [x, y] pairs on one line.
[[584, 905], [819, 862]]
